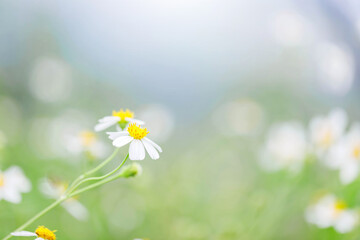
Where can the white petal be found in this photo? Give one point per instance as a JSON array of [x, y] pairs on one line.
[[136, 150], [338, 120], [15, 178], [24, 234], [114, 135], [106, 122], [151, 150], [346, 221], [122, 140], [39, 238], [349, 172], [76, 209], [152, 143], [139, 122], [11, 194], [49, 189]]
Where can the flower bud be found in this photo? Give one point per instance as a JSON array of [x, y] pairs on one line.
[[132, 170]]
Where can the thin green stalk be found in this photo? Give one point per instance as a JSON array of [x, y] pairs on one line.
[[97, 184], [68, 194], [98, 178], [97, 168], [33, 219]]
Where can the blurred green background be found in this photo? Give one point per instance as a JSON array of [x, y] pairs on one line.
[[209, 78]]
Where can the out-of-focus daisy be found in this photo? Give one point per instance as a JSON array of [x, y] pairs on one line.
[[136, 136], [121, 119], [336, 68], [42, 233], [241, 117], [345, 155], [55, 189], [12, 183], [290, 28], [285, 147], [330, 212], [325, 131], [86, 142]]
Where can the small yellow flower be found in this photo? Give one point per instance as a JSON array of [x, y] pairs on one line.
[[42, 233], [136, 136], [45, 233], [87, 138], [123, 115], [136, 131], [120, 118]]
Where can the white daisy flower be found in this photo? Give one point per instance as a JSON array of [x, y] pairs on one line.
[[285, 147], [55, 189], [330, 212], [136, 136], [41, 233], [345, 155], [86, 142], [121, 119], [325, 131], [12, 183]]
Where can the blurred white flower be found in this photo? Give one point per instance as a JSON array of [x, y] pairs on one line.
[[289, 28], [330, 212], [120, 119], [159, 119], [325, 131], [12, 183], [286, 147], [66, 136], [345, 155], [241, 117], [336, 68], [136, 136], [50, 80], [86, 142], [55, 189], [42, 233]]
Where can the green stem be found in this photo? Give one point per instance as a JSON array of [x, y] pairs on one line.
[[97, 168], [98, 178], [33, 219], [97, 184], [68, 194]]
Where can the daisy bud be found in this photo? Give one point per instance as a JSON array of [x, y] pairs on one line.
[[132, 170]]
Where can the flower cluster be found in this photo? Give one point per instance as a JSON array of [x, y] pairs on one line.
[[129, 130], [332, 143]]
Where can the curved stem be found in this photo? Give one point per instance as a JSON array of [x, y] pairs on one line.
[[88, 173], [97, 184], [98, 178], [75, 183]]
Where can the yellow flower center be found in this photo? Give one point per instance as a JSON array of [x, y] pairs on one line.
[[123, 114], [87, 138], [327, 139], [45, 233], [356, 151], [339, 207], [2, 180], [136, 131]]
